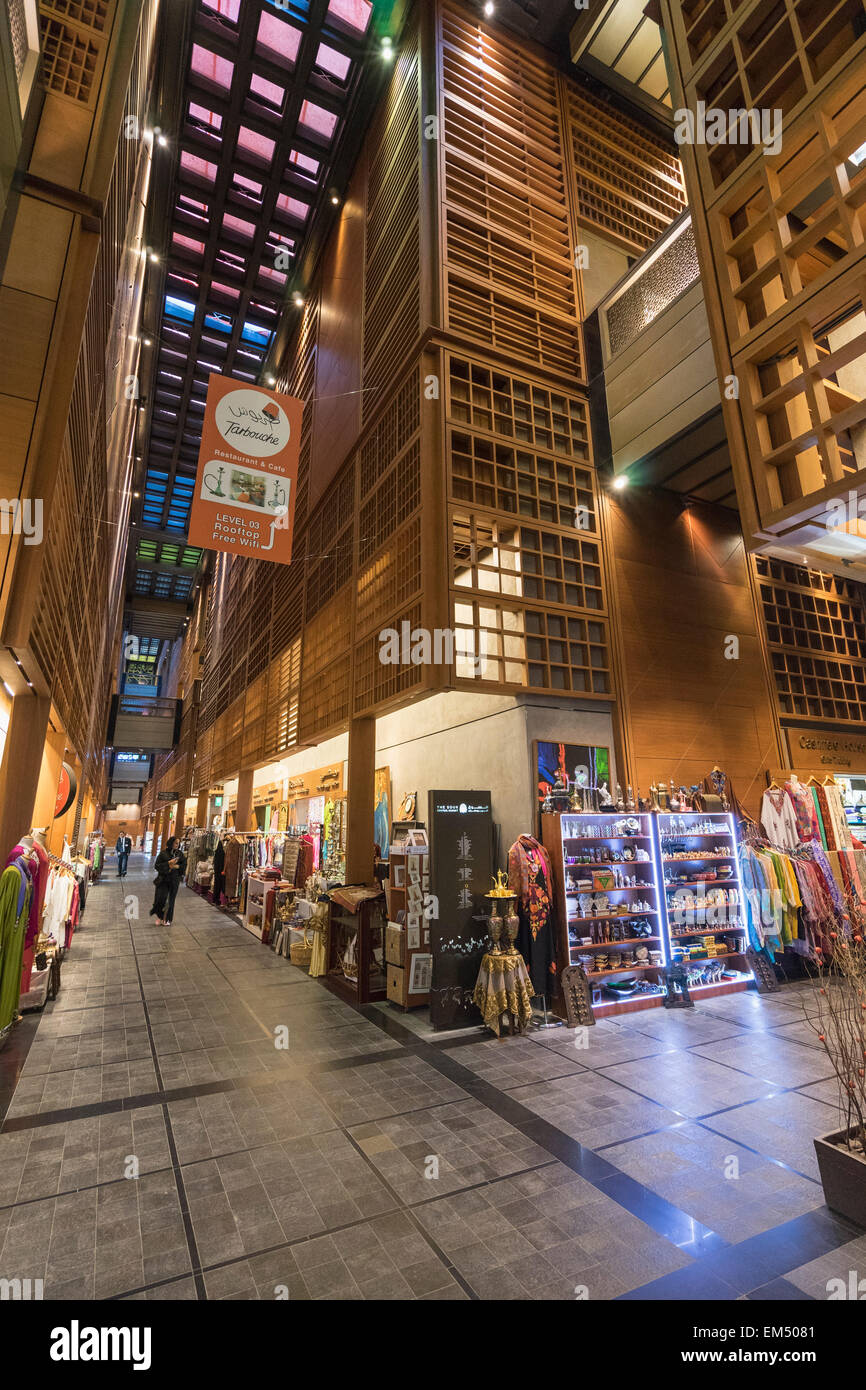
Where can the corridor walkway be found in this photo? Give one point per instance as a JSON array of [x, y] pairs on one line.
[[196, 1118]]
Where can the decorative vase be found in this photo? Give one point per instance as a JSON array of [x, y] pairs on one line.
[[512, 927], [494, 927]]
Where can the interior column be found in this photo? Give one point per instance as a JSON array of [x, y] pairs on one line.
[[244, 812], [201, 818], [361, 793], [49, 777], [21, 766]]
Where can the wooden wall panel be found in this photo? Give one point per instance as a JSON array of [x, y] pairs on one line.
[[337, 417], [683, 591]]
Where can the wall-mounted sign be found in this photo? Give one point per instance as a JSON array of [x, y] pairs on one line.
[[244, 500], [166, 796], [217, 801], [815, 748], [66, 789], [461, 871]]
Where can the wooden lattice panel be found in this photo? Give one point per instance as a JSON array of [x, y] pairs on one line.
[[284, 687], [628, 184], [377, 683], [392, 433], [495, 557], [328, 635], [816, 634], [507, 645], [393, 502], [770, 55], [802, 398], [392, 284], [390, 579], [794, 219], [509, 247], [325, 701], [514, 407]]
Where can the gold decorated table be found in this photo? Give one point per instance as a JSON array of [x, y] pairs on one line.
[[504, 987]]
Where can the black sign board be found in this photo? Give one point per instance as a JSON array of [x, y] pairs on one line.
[[461, 872]]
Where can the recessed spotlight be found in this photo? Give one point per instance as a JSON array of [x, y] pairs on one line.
[[162, 140], [298, 301], [271, 380], [153, 256], [136, 494], [148, 342], [335, 199], [620, 482], [387, 48], [490, 9]]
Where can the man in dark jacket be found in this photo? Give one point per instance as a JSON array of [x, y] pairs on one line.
[[123, 847]]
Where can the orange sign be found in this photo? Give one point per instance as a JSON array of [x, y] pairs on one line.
[[244, 501]]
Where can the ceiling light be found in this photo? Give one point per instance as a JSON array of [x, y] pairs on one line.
[[8, 691], [620, 482], [162, 140], [335, 199], [298, 300], [490, 9], [153, 256], [148, 342], [136, 494], [271, 380], [387, 48]]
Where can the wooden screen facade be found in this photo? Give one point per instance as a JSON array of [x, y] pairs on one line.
[[65, 596], [782, 246], [466, 499]]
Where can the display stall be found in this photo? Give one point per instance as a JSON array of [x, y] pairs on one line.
[[356, 944], [407, 943], [610, 908]]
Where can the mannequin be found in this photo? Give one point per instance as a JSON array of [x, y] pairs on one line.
[[529, 876]]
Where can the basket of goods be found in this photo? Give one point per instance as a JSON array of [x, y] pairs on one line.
[[301, 952]]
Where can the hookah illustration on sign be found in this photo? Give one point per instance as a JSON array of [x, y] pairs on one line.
[[218, 490], [278, 502]]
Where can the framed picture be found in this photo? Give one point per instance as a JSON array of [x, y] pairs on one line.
[[416, 839], [420, 974], [579, 763]]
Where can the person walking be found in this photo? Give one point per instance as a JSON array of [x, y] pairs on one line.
[[123, 848], [170, 866]]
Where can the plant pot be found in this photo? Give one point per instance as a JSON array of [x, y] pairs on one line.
[[843, 1177]]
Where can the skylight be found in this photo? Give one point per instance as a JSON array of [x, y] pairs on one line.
[[212, 67], [354, 14], [330, 61], [279, 40], [316, 118], [269, 91], [259, 146]]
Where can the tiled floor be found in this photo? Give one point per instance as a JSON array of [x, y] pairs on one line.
[[194, 1118]]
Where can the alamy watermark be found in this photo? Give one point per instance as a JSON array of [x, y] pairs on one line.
[[22, 518], [421, 646], [710, 125]]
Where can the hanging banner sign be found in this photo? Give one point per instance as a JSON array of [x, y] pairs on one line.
[[244, 500], [66, 789]]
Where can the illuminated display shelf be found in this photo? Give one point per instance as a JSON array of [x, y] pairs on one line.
[[700, 916], [627, 851], [568, 837]]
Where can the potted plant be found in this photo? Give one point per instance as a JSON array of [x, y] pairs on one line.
[[838, 1016]]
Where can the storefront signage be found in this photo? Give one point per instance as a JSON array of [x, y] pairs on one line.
[[167, 796], [325, 781], [461, 871], [66, 789], [244, 501], [813, 748]]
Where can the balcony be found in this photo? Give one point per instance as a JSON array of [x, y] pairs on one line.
[[660, 379], [143, 724]]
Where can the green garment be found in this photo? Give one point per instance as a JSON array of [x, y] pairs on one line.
[[12, 932]]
